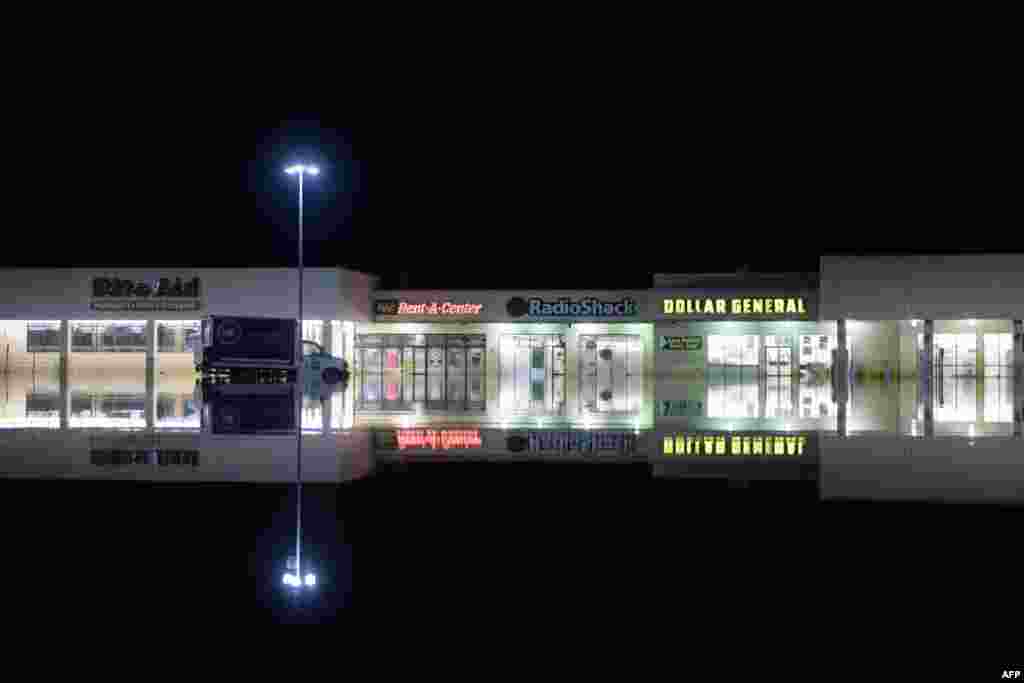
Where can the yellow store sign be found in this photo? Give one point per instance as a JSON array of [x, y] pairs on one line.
[[745, 306], [704, 444]]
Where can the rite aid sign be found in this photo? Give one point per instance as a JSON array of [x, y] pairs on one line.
[[163, 294]]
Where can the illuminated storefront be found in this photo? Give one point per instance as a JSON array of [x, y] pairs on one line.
[[507, 358], [768, 351]]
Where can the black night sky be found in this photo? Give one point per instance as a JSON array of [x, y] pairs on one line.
[[497, 187]]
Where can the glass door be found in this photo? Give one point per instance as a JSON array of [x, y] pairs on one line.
[[956, 355], [456, 373], [532, 374], [778, 380], [778, 361], [998, 355], [611, 373]]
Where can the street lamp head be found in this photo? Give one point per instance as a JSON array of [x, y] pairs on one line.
[[302, 168]]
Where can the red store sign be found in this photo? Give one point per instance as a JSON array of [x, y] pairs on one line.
[[438, 439], [396, 307]]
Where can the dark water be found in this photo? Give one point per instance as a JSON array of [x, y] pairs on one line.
[[188, 521]]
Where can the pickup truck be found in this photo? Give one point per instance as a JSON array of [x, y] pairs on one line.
[[231, 345]]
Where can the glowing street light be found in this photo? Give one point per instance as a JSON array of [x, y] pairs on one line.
[[294, 579], [300, 170]]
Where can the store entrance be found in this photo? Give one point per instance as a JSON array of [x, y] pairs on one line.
[[532, 371], [436, 372], [611, 374], [778, 361]]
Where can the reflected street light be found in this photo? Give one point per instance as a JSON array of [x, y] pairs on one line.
[[300, 170]]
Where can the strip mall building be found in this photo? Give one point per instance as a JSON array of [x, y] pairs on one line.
[[504, 356]]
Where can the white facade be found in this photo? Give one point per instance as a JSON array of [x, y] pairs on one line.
[[69, 294], [950, 287]]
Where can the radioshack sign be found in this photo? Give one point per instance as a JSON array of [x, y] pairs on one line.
[[567, 307]]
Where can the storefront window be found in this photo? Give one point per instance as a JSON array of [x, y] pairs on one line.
[[42, 405], [43, 336], [733, 350], [999, 398], [396, 372], [816, 349], [779, 398], [176, 336], [956, 355], [611, 373], [733, 400], [83, 336], [313, 330], [998, 355], [955, 401], [532, 374]]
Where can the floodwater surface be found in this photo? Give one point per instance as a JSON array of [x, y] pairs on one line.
[[158, 495]]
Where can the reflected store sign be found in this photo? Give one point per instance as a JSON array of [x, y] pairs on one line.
[[439, 308], [163, 294], [573, 441], [164, 457], [733, 445], [738, 306], [684, 408], [566, 307], [438, 439]]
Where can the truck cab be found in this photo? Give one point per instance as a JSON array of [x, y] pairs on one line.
[[318, 363]]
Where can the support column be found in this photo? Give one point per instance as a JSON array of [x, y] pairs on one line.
[[152, 368], [328, 340], [841, 377], [1018, 349], [794, 393], [1018, 375], [1018, 409], [325, 413], [927, 378], [65, 377]]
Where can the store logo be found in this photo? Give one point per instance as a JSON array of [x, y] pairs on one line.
[[163, 457], [711, 444], [681, 343], [438, 439], [397, 307], [573, 441], [748, 306], [164, 287], [517, 307], [115, 294]]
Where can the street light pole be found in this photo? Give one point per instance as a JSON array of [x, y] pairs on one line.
[[301, 170], [299, 379]]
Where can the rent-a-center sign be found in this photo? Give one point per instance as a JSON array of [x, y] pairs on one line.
[[438, 308]]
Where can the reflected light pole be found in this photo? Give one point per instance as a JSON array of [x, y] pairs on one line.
[[300, 170]]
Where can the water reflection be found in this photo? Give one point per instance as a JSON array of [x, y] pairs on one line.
[[168, 428], [172, 401]]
